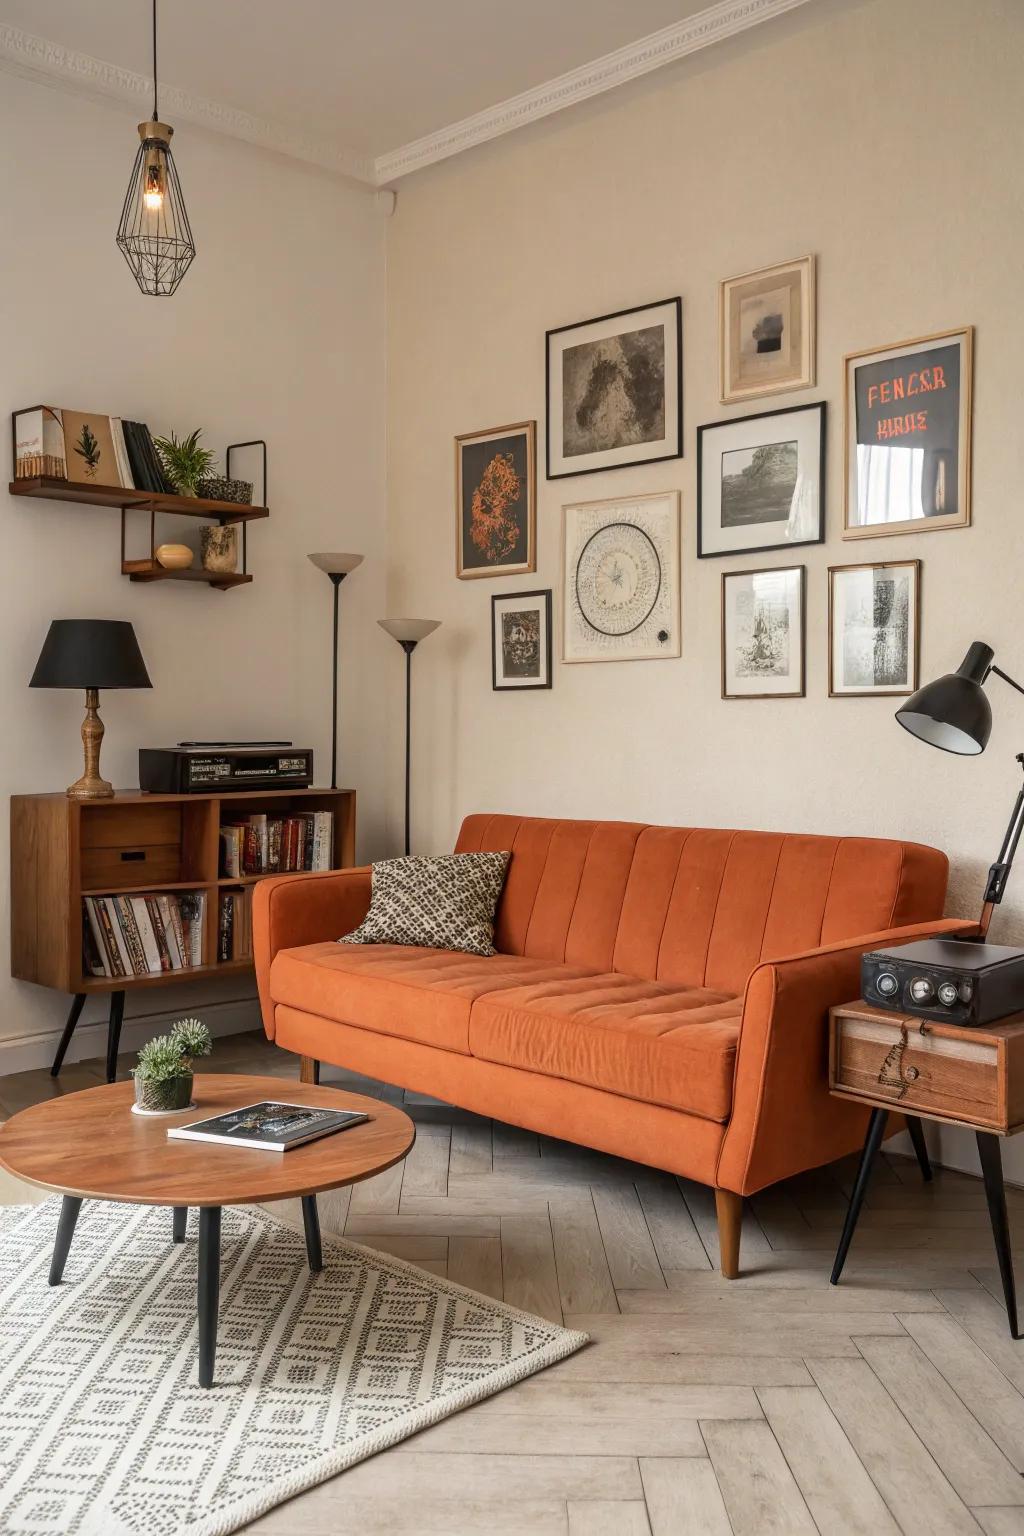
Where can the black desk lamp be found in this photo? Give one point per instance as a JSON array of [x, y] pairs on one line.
[[90, 654], [954, 713]]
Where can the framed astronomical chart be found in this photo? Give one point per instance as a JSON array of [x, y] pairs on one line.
[[620, 579]]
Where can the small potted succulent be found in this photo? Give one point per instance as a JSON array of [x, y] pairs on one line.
[[163, 1077]]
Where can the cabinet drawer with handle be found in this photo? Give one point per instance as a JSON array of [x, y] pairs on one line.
[[936, 1070]]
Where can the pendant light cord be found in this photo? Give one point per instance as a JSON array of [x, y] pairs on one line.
[[156, 114]]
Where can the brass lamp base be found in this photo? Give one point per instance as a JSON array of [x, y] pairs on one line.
[[90, 786]]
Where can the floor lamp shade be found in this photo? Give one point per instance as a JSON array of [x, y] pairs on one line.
[[337, 566], [408, 633], [90, 654]]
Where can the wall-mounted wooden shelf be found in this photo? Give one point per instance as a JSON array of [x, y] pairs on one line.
[[45, 489], [151, 570]]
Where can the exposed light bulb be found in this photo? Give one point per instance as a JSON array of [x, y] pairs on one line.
[[153, 196]]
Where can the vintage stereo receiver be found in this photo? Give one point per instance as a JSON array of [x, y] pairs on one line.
[[192, 767], [952, 981]]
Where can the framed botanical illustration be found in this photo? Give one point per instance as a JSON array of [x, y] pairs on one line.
[[496, 501], [763, 627], [620, 579], [615, 390], [766, 331], [874, 628], [521, 640], [761, 482], [907, 435]]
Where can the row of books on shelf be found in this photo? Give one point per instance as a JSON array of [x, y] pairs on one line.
[[234, 925], [143, 935], [87, 448], [270, 845]]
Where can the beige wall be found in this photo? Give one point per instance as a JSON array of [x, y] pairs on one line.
[[885, 137], [276, 332]]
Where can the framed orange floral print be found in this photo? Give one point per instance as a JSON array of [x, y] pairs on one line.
[[496, 501]]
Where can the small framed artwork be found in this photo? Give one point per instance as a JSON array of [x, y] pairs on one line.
[[761, 482], [763, 626], [620, 579], [615, 390], [907, 434], [496, 501], [874, 628], [766, 331], [521, 640]]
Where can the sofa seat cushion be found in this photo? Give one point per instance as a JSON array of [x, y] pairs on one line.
[[644, 1040], [415, 994]]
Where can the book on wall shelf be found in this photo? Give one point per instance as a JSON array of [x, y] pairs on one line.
[[144, 934], [277, 845], [234, 925], [87, 448]]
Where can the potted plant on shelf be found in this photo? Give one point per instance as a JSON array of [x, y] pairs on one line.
[[163, 1076], [185, 462]]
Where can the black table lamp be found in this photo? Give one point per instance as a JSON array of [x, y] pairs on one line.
[[90, 654], [954, 713]]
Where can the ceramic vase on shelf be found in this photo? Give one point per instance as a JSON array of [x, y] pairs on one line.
[[219, 548], [174, 557]]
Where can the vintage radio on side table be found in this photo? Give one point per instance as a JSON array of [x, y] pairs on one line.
[[70, 858], [972, 1077]]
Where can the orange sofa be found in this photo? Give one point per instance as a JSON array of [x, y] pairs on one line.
[[660, 993]]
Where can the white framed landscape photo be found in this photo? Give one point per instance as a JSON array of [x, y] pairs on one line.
[[763, 630], [761, 482], [615, 390], [620, 579], [521, 640], [766, 331], [874, 628]]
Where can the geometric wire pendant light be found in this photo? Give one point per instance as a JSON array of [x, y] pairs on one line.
[[154, 235]]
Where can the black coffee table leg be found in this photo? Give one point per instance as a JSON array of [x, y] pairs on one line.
[[872, 1142], [995, 1194], [179, 1223], [65, 1232], [311, 1222], [114, 1023], [209, 1290], [916, 1130]]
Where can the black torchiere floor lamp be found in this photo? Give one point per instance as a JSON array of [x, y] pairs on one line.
[[337, 568], [408, 633], [954, 713]]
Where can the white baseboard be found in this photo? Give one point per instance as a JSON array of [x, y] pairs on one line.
[[23, 1053]]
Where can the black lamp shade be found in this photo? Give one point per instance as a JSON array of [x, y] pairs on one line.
[[953, 712], [90, 653]]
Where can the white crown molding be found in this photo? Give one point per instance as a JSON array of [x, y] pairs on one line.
[[724, 19], [37, 58]]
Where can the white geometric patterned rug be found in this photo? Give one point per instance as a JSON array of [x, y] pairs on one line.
[[104, 1430]]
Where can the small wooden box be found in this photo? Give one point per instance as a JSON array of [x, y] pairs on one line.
[[961, 1076]]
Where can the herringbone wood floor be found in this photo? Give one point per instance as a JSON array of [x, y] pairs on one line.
[[769, 1404]]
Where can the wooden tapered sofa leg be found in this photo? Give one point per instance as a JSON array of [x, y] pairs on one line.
[[309, 1069], [729, 1210]]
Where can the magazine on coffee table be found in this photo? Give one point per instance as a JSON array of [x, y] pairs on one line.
[[269, 1126]]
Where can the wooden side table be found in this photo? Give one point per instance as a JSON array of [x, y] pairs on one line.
[[968, 1077]]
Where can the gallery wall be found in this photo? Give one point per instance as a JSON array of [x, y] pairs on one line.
[[883, 137], [276, 332]]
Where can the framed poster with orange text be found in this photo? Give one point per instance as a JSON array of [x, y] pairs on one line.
[[908, 437]]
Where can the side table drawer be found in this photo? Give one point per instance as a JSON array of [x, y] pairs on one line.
[[908, 1064]]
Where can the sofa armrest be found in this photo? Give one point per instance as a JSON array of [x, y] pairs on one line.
[[303, 909], [783, 1118]]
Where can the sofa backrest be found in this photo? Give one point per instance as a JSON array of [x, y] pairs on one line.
[[695, 905]]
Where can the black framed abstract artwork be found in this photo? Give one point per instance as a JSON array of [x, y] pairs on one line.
[[761, 482], [521, 640], [615, 390]]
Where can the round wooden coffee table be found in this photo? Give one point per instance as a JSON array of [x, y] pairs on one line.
[[89, 1146]]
